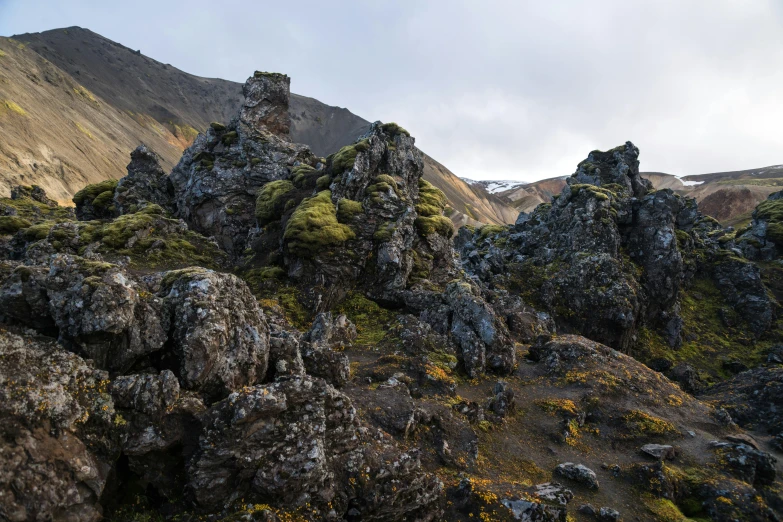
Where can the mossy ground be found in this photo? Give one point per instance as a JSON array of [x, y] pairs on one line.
[[707, 340], [372, 321]]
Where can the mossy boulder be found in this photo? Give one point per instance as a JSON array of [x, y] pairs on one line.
[[344, 158], [314, 226], [271, 200], [95, 201]]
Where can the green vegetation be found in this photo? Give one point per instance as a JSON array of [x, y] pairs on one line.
[[347, 209], [323, 182], [705, 314], [664, 510], [84, 93], [185, 132], [755, 182], [9, 106], [393, 129], [10, 225], [303, 175], [271, 200], [384, 232], [104, 200], [642, 425], [435, 225], [490, 230], [229, 138], [372, 321], [217, 127], [432, 200], [91, 192], [600, 193], [313, 226], [83, 130], [344, 158]]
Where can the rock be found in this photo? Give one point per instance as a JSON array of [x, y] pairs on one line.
[[56, 442], [578, 473], [34, 192], [219, 336], [687, 377], [659, 451], [745, 462], [606, 514], [743, 438], [740, 283], [619, 166], [587, 509], [752, 398], [146, 183], [502, 403], [319, 348], [553, 492], [297, 441], [101, 310], [527, 511], [775, 355]]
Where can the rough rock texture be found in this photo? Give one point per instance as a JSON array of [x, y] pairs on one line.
[[295, 441], [752, 398], [218, 333], [145, 183], [216, 181], [578, 473], [56, 420], [745, 462], [319, 349], [761, 240], [609, 256], [96, 307], [34, 192]]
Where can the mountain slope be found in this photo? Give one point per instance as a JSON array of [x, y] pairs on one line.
[[166, 108]]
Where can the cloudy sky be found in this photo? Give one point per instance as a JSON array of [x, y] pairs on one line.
[[493, 89]]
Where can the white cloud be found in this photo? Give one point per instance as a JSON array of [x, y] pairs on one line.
[[497, 89]]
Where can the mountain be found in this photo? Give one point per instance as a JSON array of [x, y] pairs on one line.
[[729, 197], [123, 98]]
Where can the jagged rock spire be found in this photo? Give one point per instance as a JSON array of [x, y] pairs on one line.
[[619, 165], [266, 102]]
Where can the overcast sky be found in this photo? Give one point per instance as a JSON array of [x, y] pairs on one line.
[[493, 89]]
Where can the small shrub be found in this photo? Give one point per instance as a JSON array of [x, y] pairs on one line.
[[393, 129]]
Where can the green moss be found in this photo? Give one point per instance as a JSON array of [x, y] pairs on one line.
[[682, 238], [10, 225], [664, 510], [229, 138], [304, 175], [642, 425], [599, 193], [313, 226], [344, 158], [432, 200], [104, 199], [435, 225], [91, 192], [371, 320], [271, 200], [384, 232], [775, 232], [323, 182], [393, 129], [347, 209], [39, 231], [490, 230], [218, 127]]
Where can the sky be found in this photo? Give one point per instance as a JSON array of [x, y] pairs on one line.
[[517, 90]]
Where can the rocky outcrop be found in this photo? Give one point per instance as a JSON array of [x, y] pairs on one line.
[[57, 445], [610, 256], [246, 451], [218, 335], [145, 183], [762, 238], [216, 181]]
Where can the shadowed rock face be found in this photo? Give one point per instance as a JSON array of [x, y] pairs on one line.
[[609, 256]]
